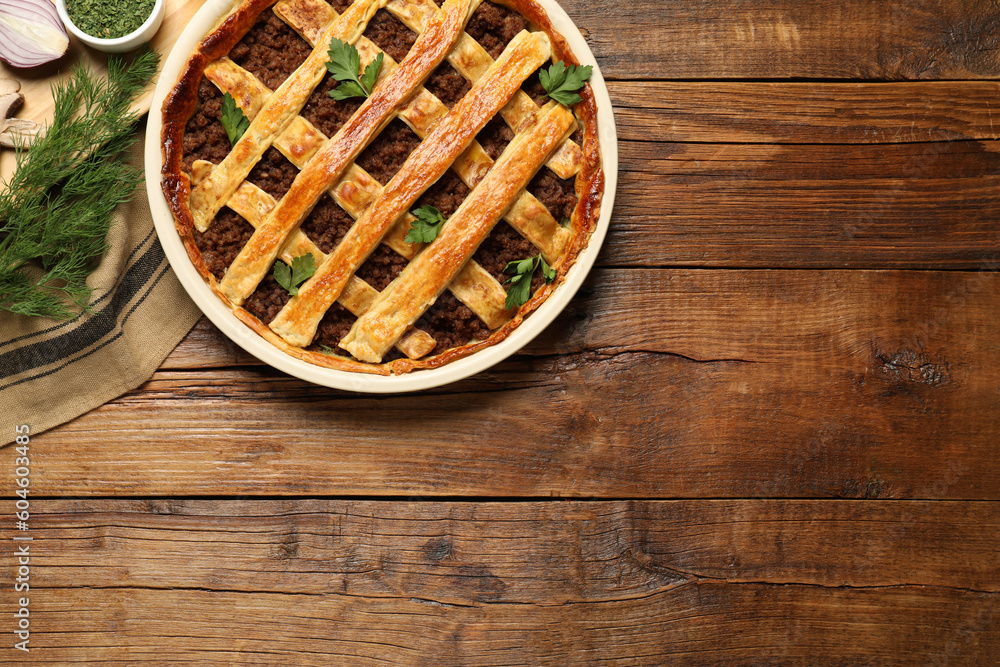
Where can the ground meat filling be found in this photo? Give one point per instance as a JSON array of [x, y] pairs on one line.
[[495, 137], [387, 153], [204, 136], [267, 300], [381, 267], [556, 194], [447, 85], [326, 224], [389, 34], [451, 323], [493, 26], [271, 50], [332, 328], [340, 5], [273, 173], [325, 113], [446, 195], [222, 241]]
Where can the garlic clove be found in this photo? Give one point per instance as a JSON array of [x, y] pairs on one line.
[[20, 132], [10, 103], [15, 132], [30, 32]]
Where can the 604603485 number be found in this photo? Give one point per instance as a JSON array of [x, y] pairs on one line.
[[22, 552]]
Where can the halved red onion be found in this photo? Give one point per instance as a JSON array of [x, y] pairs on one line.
[[30, 32]]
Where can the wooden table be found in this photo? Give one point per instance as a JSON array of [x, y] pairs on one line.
[[766, 431]]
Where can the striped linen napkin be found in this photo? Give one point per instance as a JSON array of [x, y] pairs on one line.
[[53, 371]]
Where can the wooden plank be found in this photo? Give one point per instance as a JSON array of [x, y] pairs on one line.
[[699, 624], [361, 582], [922, 205], [541, 552], [805, 113], [206, 347], [767, 383], [855, 39]]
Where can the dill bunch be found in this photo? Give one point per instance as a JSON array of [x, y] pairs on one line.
[[55, 211]]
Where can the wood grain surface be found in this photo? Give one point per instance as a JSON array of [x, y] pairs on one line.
[[697, 582], [764, 432], [805, 113], [823, 383], [781, 39]]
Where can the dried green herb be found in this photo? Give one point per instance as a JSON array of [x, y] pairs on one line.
[[109, 19], [56, 209]]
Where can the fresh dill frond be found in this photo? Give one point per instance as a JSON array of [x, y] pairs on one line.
[[55, 211]]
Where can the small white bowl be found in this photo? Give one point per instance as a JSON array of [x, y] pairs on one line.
[[129, 42]]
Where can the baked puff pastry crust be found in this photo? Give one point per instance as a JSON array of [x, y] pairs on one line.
[[455, 117]]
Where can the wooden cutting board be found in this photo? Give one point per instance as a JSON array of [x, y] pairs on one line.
[[36, 82]]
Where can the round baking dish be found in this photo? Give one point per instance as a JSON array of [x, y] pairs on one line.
[[204, 21]]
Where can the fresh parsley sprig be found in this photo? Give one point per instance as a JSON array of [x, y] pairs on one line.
[[561, 82], [520, 283], [345, 64], [290, 277], [425, 227], [233, 119]]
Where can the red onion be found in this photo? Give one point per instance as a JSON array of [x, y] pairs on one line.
[[30, 32]]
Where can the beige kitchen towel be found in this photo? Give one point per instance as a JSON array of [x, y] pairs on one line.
[[53, 371]]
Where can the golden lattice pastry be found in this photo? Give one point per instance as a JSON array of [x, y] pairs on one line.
[[446, 122]]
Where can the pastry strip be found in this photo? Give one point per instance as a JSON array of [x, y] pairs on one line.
[[297, 321], [307, 17], [252, 204], [423, 279], [299, 141], [470, 60], [277, 112], [332, 160]]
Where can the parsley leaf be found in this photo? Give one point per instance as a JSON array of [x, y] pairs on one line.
[[371, 73], [426, 226], [346, 91], [233, 119], [344, 60], [547, 271], [290, 277], [561, 83], [520, 283], [344, 65]]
